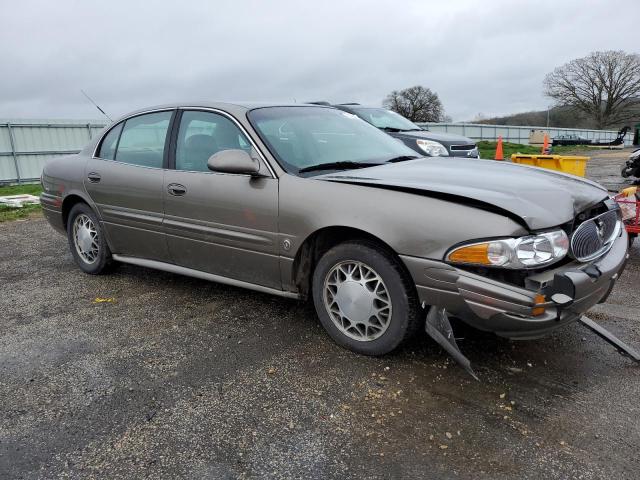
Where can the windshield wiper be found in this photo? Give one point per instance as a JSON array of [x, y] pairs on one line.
[[395, 130], [402, 158], [337, 166]]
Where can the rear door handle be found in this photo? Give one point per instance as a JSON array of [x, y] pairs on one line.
[[94, 177], [176, 189]]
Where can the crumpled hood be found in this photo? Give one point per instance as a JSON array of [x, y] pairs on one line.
[[542, 198]]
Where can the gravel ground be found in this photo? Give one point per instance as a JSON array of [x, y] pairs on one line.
[[147, 374]]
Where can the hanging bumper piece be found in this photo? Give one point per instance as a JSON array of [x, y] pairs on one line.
[[439, 328], [622, 347]]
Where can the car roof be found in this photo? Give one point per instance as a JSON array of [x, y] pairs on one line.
[[231, 107]]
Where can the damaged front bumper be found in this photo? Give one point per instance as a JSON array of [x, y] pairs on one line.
[[507, 309]]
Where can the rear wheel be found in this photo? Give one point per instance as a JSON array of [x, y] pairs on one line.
[[86, 240], [364, 299]]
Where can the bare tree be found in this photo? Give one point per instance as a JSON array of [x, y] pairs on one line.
[[418, 104], [605, 86]]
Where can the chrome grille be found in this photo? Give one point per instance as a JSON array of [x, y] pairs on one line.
[[594, 237]]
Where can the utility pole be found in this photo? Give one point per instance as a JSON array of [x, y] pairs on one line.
[[548, 112]]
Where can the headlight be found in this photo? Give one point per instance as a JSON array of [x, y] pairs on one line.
[[433, 149], [532, 251]]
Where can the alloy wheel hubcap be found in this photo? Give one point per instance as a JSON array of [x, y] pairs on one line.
[[357, 300], [85, 238]]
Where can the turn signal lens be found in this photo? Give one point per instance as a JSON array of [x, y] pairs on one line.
[[538, 310], [489, 253], [472, 254]]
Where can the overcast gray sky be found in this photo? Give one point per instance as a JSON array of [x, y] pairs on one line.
[[479, 56]]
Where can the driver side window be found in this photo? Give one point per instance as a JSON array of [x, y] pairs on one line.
[[201, 134]]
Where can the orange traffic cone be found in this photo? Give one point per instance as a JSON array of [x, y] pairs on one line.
[[545, 145], [499, 154]]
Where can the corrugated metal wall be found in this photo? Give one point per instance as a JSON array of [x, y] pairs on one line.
[[25, 146], [478, 131]]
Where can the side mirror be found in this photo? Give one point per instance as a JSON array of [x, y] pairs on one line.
[[234, 161]]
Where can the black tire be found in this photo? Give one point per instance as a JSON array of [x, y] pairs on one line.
[[103, 261], [405, 312], [632, 237], [625, 172]]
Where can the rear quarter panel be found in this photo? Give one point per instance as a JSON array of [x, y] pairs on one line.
[[62, 177]]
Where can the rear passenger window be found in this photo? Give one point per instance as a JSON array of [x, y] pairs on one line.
[[143, 138], [202, 134], [109, 143]]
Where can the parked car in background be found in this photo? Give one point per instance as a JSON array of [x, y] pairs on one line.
[[570, 139], [413, 136], [309, 201], [631, 167]]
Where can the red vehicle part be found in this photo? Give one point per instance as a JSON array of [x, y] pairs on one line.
[[629, 198]]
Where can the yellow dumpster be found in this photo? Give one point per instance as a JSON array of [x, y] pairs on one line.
[[567, 164]]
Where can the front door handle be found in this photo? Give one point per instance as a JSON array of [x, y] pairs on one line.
[[94, 177], [176, 189]]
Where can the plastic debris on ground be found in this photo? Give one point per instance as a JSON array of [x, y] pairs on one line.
[[19, 201]]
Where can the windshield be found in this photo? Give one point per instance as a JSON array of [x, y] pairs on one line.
[[383, 118], [301, 137]]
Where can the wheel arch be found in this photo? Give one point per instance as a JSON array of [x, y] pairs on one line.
[[68, 203], [321, 241]]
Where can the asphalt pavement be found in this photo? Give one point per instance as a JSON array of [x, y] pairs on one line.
[[145, 374]]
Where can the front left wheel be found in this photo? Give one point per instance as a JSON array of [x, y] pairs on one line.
[[86, 240], [364, 298]]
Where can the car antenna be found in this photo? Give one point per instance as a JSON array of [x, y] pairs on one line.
[[96, 105]]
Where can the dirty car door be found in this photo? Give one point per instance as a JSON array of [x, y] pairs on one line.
[[220, 223], [126, 182]]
